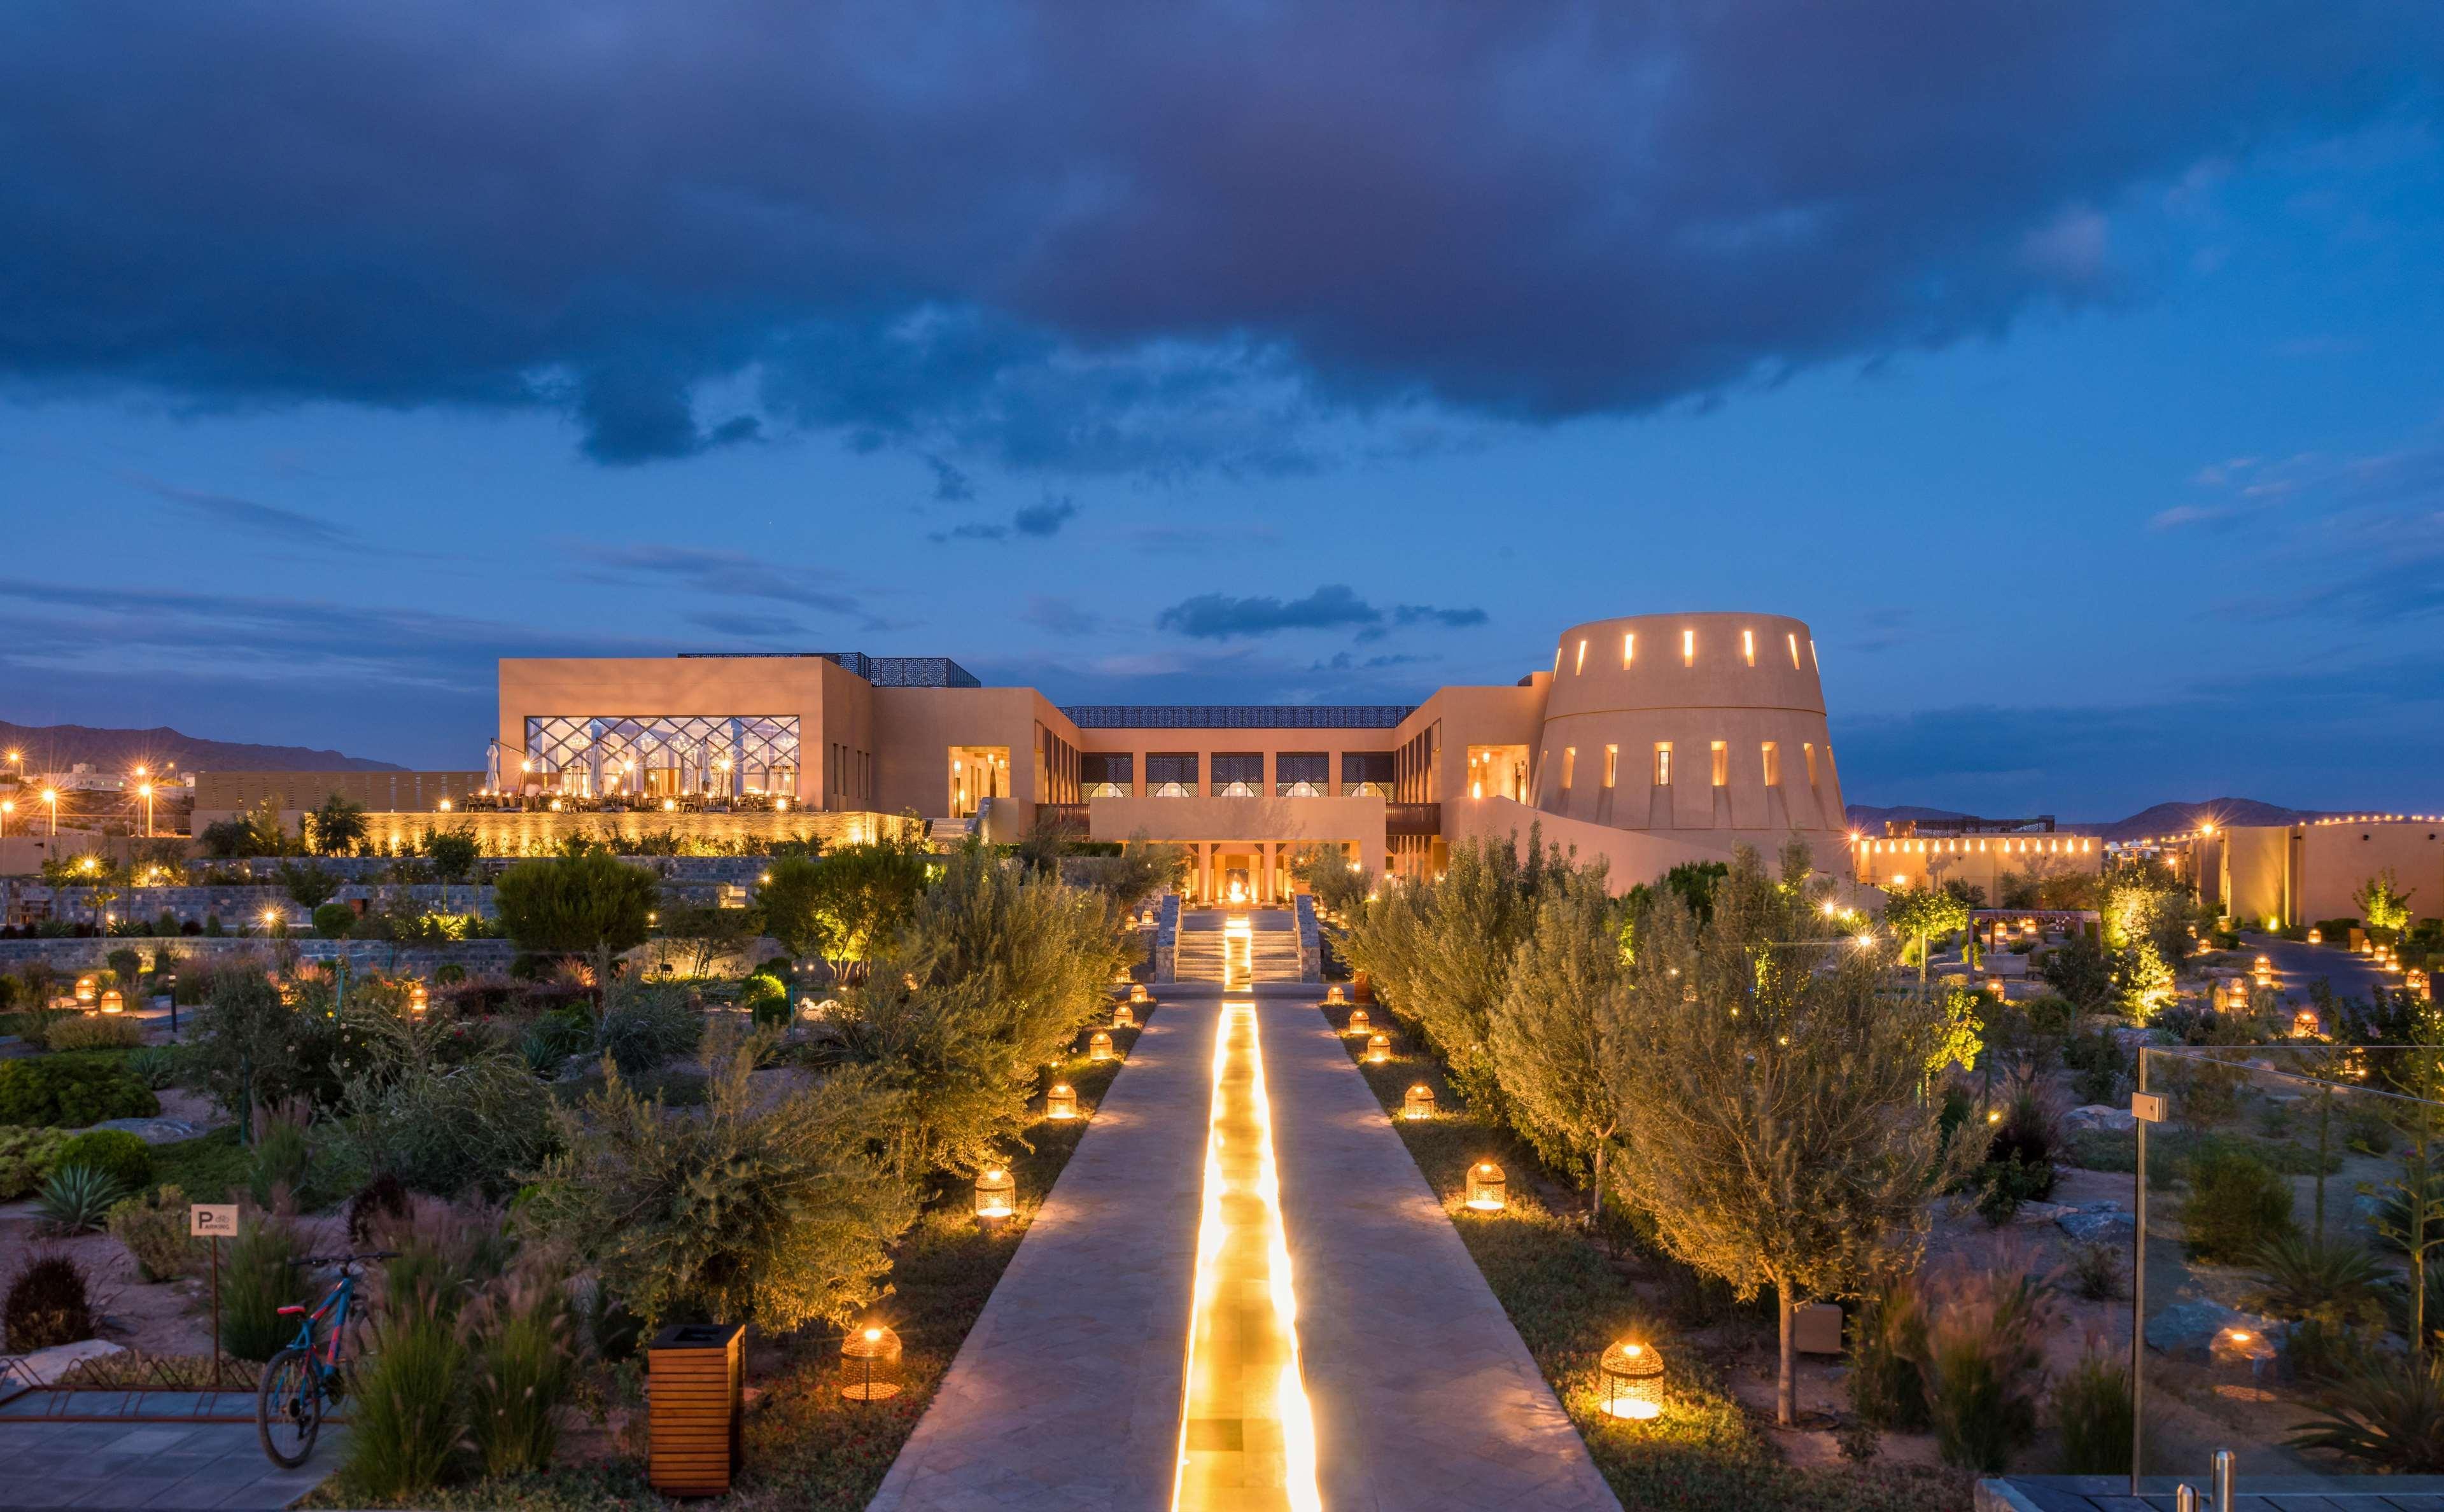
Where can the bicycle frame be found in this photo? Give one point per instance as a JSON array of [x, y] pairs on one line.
[[334, 1304]]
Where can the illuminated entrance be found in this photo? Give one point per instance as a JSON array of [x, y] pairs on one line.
[[1247, 1439]]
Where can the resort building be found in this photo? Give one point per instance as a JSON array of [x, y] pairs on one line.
[[2288, 876], [1649, 741], [1978, 852]]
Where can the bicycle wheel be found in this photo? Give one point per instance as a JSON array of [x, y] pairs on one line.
[[288, 1408]]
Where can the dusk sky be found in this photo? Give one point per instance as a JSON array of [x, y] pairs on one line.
[[2075, 369]]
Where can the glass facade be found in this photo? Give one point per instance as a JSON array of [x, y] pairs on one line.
[[1170, 774], [665, 755], [1107, 774], [1238, 774], [1367, 773], [1302, 774]]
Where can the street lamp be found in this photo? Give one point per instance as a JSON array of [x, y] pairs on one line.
[[51, 796], [144, 791], [7, 806]]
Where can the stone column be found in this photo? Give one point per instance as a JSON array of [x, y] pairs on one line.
[[1272, 881]]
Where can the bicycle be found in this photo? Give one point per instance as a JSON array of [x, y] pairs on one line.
[[296, 1383]]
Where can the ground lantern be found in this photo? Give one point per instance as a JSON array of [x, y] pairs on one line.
[[85, 988], [996, 1193], [1633, 1381], [1358, 1022], [1124, 1017], [870, 1364], [1062, 1101], [1378, 1048], [1488, 1192], [1418, 1103], [113, 1001], [1099, 1046]]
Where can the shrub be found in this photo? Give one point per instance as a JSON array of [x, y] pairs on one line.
[[333, 921], [384, 1198], [642, 1027], [115, 1151], [766, 1000], [2003, 1185], [49, 1304], [575, 904], [78, 1199], [2235, 1207], [443, 1127], [154, 1229], [277, 1173], [2091, 1407], [127, 965], [2388, 1414], [2095, 1272], [1887, 1389], [404, 1420], [256, 1283], [71, 1091], [27, 1156], [78, 1032], [1983, 1368], [521, 1375]]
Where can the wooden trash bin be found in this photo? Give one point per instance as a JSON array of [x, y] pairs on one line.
[[695, 1375]]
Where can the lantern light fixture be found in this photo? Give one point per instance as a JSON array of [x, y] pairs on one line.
[[870, 1363], [1124, 1017], [1418, 1103], [1138, 994], [1099, 1046], [1062, 1101], [1488, 1190], [418, 1000], [113, 1001], [1332, 994], [1379, 1049], [1633, 1382], [996, 1193], [1360, 1021], [86, 986]]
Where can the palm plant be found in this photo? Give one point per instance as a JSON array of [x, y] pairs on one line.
[[2388, 1415]]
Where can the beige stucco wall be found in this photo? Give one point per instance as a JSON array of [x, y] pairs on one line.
[[1720, 692], [916, 727], [1978, 861], [2299, 874], [1474, 716], [1631, 855]]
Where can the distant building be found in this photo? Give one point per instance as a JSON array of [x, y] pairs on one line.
[[2286, 875], [1978, 852]]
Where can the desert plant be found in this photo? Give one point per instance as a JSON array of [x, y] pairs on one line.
[[78, 1199], [521, 1373], [115, 1151], [1886, 1388], [384, 1198], [2004, 1185], [78, 1032], [644, 1026], [27, 1156], [572, 905], [281, 1157], [2388, 1414], [756, 1210], [156, 1065], [2235, 1207], [155, 1229], [49, 1302], [256, 1281], [2091, 1408], [2095, 1272], [1982, 1364], [333, 921], [2300, 1276], [405, 1418], [443, 1127]]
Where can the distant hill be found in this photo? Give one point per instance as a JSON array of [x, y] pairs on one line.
[[56, 748], [2159, 818]]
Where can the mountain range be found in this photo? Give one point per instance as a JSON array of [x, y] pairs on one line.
[[2157, 819], [56, 748]]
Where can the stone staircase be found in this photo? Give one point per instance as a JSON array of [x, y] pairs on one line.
[[1268, 951], [947, 834]]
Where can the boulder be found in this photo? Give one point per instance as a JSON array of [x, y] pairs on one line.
[[2193, 1330], [2101, 1220], [154, 1131], [2098, 1115], [44, 1366]]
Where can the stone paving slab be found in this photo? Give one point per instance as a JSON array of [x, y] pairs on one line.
[[1067, 1393], [127, 1466], [1424, 1397]]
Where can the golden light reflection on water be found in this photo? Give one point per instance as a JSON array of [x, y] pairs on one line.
[[1247, 1438]]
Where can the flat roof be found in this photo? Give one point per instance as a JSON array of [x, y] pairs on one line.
[[1237, 716]]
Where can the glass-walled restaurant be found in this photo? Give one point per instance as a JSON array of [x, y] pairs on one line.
[[642, 757]]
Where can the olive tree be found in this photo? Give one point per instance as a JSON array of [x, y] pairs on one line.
[[1557, 1034], [2383, 903], [587, 903], [1778, 1125], [846, 905], [1925, 914]]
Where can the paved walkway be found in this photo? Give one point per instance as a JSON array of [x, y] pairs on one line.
[[1068, 1392], [122, 1467]]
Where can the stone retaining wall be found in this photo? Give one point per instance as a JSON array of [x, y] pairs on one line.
[[477, 956]]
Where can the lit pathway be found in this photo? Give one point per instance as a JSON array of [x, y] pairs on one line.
[[1068, 1392]]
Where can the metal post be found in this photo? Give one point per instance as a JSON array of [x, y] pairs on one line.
[[2223, 1468], [2138, 1294], [216, 1312]]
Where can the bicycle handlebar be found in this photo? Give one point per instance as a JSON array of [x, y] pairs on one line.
[[344, 1260]]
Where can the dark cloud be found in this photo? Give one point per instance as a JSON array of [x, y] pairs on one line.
[[1095, 236], [1039, 521], [753, 627], [1219, 617], [1346, 662], [951, 485], [1060, 616], [246, 514], [1043, 518], [1417, 613]]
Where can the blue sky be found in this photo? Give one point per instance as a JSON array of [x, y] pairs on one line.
[[2072, 371]]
